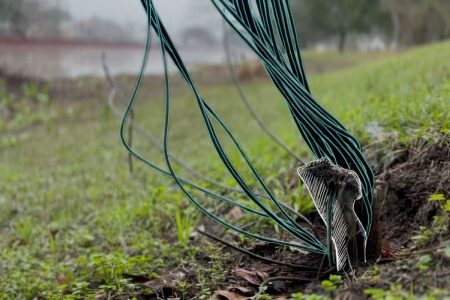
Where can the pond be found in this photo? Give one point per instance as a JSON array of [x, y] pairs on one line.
[[50, 60]]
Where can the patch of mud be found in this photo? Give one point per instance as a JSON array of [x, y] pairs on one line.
[[403, 189]]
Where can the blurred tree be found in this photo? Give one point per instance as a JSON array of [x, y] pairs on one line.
[[51, 20], [197, 36], [418, 21], [47, 22], [13, 17], [97, 28], [19, 17], [320, 19], [202, 23]]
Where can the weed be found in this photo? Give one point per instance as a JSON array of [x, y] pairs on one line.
[[23, 229], [185, 219], [34, 92], [445, 251], [209, 278], [441, 198], [422, 237], [301, 296], [395, 292], [333, 283], [426, 235], [264, 296], [438, 226], [436, 197], [424, 262]]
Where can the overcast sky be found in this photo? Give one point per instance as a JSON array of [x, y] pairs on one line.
[[177, 15], [125, 11]]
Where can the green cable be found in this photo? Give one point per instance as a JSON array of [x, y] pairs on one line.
[[318, 247], [324, 135], [349, 150]]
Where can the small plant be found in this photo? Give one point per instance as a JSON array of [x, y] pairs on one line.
[[108, 271], [264, 296], [436, 197], [6, 103], [424, 263], [441, 198], [333, 283], [185, 220], [439, 225], [423, 237], [183, 287], [80, 288], [395, 292], [301, 296], [209, 278], [24, 229], [445, 251], [447, 205], [35, 93]]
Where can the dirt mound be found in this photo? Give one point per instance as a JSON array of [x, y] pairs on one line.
[[403, 190]]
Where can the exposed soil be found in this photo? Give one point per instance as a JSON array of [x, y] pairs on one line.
[[402, 193], [423, 170]]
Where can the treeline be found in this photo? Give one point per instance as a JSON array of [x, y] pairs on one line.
[[39, 19], [398, 22], [22, 18]]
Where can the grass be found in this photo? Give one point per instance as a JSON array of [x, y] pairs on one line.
[[75, 224]]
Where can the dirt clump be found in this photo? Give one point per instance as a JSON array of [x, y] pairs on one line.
[[404, 188]]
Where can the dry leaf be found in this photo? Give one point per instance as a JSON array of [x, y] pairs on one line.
[[253, 277], [241, 290], [226, 295]]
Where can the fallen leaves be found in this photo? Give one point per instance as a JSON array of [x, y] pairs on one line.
[[253, 277]]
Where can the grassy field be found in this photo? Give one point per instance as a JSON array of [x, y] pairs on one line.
[[76, 224]]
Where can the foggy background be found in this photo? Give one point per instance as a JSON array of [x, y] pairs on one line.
[[66, 38]]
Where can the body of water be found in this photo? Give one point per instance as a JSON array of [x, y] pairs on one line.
[[49, 60]]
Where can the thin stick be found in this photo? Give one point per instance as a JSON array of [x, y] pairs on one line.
[[256, 256], [320, 267]]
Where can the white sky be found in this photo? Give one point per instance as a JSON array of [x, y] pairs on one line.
[[125, 11], [176, 14]]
